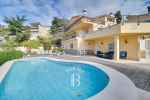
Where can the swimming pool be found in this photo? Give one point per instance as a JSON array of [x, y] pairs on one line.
[[43, 79]]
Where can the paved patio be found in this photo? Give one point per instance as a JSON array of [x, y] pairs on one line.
[[138, 72]]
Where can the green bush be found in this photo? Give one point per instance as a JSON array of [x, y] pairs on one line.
[[32, 44], [58, 50], [9, 55]]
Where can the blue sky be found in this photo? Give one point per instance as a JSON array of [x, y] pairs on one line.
[[44, 10]]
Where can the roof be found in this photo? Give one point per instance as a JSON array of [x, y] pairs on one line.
[[73, 21], [97, 19]]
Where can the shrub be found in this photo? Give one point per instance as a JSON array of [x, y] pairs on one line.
[[46, 42], [58, 49], [32, 44], [9, 55], [9, 45]]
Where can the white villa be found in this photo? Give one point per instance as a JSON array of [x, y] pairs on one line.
[[39, 30]]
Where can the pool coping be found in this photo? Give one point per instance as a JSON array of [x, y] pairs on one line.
[[5, 68], [119, 87], [128, 91]]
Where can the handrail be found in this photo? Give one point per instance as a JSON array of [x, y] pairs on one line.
[[102, 29]]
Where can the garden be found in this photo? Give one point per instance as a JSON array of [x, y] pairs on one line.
[[17, 35]]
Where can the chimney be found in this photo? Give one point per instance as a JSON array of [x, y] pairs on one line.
[[84, 11], [148, 8]]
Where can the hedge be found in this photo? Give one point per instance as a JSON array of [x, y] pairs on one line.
[[9, 55]]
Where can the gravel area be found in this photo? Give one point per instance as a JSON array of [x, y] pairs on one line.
[[139, 73]]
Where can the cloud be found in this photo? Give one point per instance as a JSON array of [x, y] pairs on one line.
[[134, 7], [99, 7], [44, 10]]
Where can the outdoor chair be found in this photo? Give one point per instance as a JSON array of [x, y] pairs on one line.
[[109, 55], [123, 54], [99, 54]]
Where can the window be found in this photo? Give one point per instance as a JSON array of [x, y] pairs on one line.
[[111, 47], [147, 21], [34, 32], [71, 46], [147, 44], [98, 47]]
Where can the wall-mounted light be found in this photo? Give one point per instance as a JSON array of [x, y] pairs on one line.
[[89, 43], [143, 37], [84, 12], [126, 41], [138, 23]]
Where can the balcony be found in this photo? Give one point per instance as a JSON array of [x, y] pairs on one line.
[[131, 28], [114, 29], [71, 36], [135, 28]]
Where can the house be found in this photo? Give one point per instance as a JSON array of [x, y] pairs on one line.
[[102, 34], [38, 30]]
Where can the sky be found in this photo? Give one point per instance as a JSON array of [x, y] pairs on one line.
[[44, 11]]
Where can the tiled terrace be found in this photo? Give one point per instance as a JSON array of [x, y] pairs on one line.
[[138, 72]]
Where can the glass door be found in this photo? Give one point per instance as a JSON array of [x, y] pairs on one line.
[[147, 46]]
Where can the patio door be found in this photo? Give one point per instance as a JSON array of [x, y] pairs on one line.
[[110, 47], [98, 47], [147, 46]]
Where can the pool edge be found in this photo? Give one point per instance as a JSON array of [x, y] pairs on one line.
[[127, 91]]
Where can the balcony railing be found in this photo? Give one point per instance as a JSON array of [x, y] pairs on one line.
[[114, 29], [71, 36], [135, 28]]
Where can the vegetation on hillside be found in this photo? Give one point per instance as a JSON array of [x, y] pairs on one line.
[[17, 28], [46, 42], [10, 44], [57, 25], [33, 44], [118, 17], [15, 33]]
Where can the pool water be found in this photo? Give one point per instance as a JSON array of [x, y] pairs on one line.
[[43, 79]]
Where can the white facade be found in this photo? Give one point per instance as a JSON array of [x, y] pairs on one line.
[[42, 31]]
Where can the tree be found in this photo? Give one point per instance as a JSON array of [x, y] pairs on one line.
[[4, 32], [57, 25], [16, 27], [31, 44], [10, 44], [57, 42], [46, 42], [118, 17]]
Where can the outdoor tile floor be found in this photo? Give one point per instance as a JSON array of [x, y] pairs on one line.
[[139, 73]]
